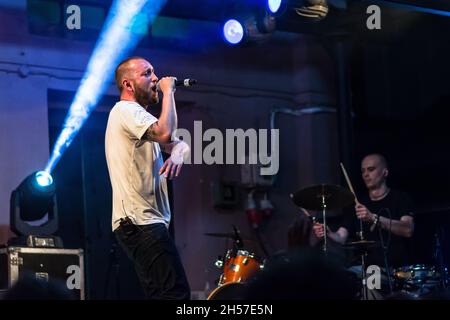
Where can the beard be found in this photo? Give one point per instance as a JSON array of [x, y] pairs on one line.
[[145, 98]]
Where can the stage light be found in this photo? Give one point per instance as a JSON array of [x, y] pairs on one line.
[[34, 196], [33, 209], [274, 5], [249, 28], [43, 178], [233, 31], [120, 34], [313, 10]]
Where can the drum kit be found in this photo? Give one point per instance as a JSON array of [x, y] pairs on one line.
[[326, 198], [416, 280], [239, 265]]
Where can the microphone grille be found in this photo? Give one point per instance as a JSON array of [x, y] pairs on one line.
[[189, 82]]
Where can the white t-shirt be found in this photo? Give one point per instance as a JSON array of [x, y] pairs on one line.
[[133, 164]]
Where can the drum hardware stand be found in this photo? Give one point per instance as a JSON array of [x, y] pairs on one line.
[[361, 236], [323, 197], [324, 209], [386, 263], [364, 249], [439, 259], [238, 243], [363, 264]]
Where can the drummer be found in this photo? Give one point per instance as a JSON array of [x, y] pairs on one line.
[[387, 216]]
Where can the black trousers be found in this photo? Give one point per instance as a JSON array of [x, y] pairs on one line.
[[157, 262]]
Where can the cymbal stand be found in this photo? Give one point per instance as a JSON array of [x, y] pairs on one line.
[[363, 274], [438, 257], [363, 263], [324, 209], [361, 235]]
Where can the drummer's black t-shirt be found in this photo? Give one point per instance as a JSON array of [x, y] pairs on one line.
[[395, 205]]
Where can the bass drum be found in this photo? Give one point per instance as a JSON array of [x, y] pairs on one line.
[[229, 291]]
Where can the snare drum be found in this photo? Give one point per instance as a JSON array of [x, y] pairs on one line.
[[239, 266]]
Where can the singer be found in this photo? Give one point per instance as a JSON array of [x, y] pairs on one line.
[[133, 143]]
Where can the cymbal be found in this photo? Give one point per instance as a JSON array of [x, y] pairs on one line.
[[335, 197]]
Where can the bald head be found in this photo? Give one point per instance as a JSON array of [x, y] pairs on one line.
[[378, 158], [374, 171], [125, 70]]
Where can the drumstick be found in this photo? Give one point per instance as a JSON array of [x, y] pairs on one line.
[[349, 183], [361, 235]]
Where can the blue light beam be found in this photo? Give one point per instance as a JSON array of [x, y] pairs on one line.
[[415, 8], [120, 34]]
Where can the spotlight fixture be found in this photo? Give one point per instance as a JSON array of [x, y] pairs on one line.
[[249, 28], [44, 179], [33, 212], [233, 31], [273, 5]]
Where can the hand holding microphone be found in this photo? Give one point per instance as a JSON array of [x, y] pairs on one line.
[[174, 82]]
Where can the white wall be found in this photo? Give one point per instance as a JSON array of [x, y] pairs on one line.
[[24, 132]]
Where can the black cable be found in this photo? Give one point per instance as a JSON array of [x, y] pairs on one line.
[[438, 257]]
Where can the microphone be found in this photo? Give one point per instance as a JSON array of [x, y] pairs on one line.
[[180, 83]]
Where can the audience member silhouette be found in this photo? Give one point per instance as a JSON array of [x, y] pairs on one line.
[[30, 288], [304, 274]]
